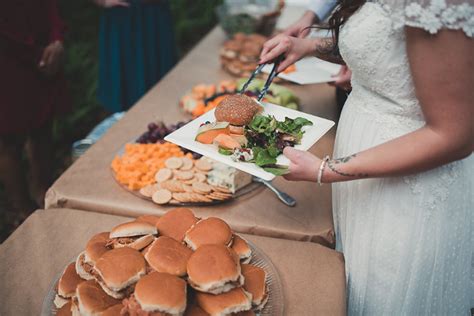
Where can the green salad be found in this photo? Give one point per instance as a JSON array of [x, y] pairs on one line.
[[266, 138]]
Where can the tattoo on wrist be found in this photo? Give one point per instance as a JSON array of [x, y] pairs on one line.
[[333, 166], [326, 50]]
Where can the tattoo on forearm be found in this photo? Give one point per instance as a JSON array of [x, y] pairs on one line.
[[325, 50], [332, 164]]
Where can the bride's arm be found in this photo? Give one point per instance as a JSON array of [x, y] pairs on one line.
[[295, 48], [442, 69]]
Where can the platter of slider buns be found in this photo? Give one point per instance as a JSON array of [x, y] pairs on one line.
[[176, 264]]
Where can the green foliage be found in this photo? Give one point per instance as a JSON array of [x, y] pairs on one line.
[[192, 20]]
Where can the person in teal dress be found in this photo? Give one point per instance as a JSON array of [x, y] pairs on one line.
[[136, 49]]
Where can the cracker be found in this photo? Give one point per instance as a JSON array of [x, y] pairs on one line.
[[216, 198], [148, 190], [163, 175], [183, 197], [191, 181], [184, 175], [173, 163], [188, 164], [173, 186], [200, 177], [188, 188], [200, 187], [201, 198], [221, 189], [203, 165], [162, 196]]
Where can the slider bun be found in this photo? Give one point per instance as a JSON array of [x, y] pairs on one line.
[[65, 310], [213, 269], [59, 301], [120, 268], [195, 310], [152, 219], [234, 301], [241, 248], [255, 284], [237, 109], [80, 270], [176, 222], [94, 251], [211, 230], [134, 228], [112, 311], [169, 256], [92, 299], [137, 244], [68, 281], [161, 292]]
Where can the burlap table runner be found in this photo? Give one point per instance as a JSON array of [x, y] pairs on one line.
[[312, 275], [89, 185]]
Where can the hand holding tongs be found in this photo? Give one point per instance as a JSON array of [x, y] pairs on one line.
[[270, 78]]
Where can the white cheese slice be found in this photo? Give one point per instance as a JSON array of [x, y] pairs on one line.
[[225, 176]]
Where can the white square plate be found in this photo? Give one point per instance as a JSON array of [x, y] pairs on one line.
[[184, 137], [309, 70]]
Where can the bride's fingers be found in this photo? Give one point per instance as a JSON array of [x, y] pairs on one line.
[[274, 53], [274, 47], [292, 154]]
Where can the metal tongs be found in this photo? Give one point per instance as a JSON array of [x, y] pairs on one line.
[[284, 197], [270, 78]]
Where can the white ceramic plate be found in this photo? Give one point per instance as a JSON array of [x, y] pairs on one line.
[[185, 136], [309, 70]]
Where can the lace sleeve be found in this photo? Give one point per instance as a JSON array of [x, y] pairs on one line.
[[432, 15]]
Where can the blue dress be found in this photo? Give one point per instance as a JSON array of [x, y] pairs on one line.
[[136, 48]]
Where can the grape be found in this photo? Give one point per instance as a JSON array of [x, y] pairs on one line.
[[152, 127]]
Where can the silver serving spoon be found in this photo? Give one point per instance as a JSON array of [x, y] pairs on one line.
[[284, 197]]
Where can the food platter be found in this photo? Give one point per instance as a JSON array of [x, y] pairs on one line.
[[251, 187], [185, 137], [274, 306]]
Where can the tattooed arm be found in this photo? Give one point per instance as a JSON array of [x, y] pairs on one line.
[[294, 49], [324, 49]]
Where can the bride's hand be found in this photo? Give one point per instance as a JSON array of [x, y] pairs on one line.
[[292, 47], [303, 167]]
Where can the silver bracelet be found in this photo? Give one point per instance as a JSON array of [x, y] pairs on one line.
[[321, 169]]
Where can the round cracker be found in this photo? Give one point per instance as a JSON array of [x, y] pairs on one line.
[[174, 186], [221, 189], [200, 187], [162, 196], [203, 165], [188, 188], [188, 164], [173, 163], [200, 177], [184, 175], [148, 190], [163, 174]]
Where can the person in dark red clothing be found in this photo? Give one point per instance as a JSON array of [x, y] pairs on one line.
[[32, 92]]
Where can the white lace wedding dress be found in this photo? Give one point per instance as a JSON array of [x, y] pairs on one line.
[[408, 241]]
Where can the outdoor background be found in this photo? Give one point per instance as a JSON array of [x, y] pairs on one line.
[[192, 20]]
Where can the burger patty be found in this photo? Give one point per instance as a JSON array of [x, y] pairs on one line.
[[121, 241], [234, 284], [133, 308], [86, 266], [126, 291]]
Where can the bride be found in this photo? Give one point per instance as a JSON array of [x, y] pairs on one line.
[[404, 201]]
